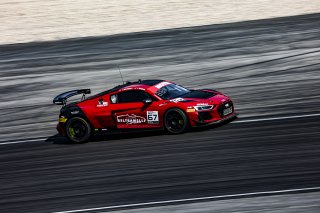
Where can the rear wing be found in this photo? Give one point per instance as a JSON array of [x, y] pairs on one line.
[[63, 97]]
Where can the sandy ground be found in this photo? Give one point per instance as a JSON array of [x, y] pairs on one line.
[[38, 20]]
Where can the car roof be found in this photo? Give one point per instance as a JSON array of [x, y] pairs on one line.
[[136, 84], [140, 83]]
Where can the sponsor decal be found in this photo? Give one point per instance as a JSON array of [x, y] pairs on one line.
[[176, 100], [162, 84], [202, 104], [100, 130], [102, 104], [130, 119], [153, 117]]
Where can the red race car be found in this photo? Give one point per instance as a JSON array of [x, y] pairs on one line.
[[147, 104]]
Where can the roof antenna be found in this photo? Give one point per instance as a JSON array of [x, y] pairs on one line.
[[120, 74]]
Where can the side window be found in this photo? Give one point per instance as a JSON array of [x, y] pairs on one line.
[[129, 96], [114, 99]]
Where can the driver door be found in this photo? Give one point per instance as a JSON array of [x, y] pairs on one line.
[[130, 112]]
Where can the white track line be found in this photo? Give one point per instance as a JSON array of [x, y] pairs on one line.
[[175, 202], [279, 118], [23, 141], [236, 121]]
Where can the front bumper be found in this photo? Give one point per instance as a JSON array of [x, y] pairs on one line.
[[214, 116]]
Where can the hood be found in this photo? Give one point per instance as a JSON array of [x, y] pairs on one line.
[[200, 94], [203, 97]]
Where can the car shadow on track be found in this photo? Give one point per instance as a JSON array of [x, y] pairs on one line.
[[58, 139]]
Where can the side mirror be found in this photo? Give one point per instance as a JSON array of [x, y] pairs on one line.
[[147, 101]]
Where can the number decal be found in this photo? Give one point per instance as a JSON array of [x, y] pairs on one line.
[[153, 117]]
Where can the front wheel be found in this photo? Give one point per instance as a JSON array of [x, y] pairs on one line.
[[175, 121], [78, 130]]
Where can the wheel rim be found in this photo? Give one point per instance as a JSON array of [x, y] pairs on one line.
[[77, 130], [175, 122]]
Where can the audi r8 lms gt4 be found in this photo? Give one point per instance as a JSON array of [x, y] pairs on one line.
[[146, 104]]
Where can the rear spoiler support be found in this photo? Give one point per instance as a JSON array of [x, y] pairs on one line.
[[63, 97]]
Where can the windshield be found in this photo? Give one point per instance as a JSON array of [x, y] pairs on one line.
[[171, 91]]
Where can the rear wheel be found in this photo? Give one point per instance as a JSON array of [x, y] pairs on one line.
[[175, 121], [78, 130]]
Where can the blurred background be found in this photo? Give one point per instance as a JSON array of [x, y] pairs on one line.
[[264, 54]]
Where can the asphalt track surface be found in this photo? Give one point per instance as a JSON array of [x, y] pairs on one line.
[[270, 68]]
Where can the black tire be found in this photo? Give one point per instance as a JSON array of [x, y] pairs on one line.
[[78, 130], [175, 121]]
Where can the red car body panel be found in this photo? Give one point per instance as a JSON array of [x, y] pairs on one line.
[[102, 113]]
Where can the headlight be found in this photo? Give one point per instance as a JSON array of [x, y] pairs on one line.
[[204, 107]]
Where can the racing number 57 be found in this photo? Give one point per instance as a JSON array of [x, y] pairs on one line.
[[153, 117]]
